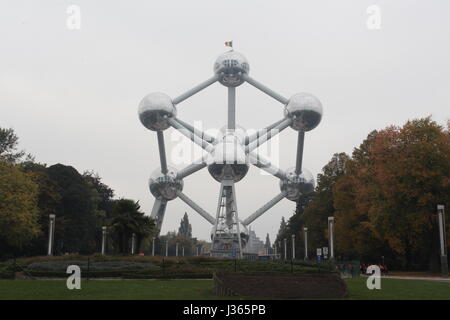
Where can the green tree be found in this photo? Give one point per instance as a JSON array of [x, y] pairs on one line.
[[280, 235], [8, 146], [185, 229], [128, 219], [48, 202], [321, 206], [268, 245], [18, 207], [75, 220], [104, 195], [101, 197]]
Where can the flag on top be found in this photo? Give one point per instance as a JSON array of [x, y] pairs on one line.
[[229, 44]]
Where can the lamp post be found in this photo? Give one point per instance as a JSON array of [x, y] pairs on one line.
[[51, 234], [443, 240], [293, 247], [331, 236], [133, 243], [167, 248], [305, 235], [103, 240], [153, 246], [285, 248]]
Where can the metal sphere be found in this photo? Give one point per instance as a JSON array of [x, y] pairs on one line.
[[297, 185], [305, 110], [228, 160], [154, 110], [229, 67], [165, 186]]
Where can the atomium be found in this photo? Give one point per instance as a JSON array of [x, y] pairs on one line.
[[229, 154]]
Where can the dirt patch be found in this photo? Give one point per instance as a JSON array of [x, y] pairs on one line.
[[306, 286]]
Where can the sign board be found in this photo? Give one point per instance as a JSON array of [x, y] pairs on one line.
[[325, 251], [319, 251]]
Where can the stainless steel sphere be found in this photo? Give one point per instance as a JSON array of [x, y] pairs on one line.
[[165, 186], [229, 67], [305, 110], [228, 160], [154, 109], [297, 185]]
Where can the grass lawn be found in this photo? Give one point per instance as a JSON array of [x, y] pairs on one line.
[[399, 289], [108, 289], [391, 289]]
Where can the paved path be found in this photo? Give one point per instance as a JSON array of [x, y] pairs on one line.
[[426, 278]]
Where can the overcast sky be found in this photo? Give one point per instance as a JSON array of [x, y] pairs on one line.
[[72, 95]]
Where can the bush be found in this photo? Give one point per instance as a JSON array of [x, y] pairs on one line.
[[105, 266], [7, 271], [157, 267]]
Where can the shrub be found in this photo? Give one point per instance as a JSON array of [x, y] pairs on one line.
[[105, 266]]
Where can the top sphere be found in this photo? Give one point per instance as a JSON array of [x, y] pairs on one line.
[[230, 67], [305, 110], [154, 110]]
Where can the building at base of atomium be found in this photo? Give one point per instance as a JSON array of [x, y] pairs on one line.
[[229, 154]]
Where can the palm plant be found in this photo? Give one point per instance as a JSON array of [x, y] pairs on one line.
[[126, 220]]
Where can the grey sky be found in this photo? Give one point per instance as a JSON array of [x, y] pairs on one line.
[[72, 96]]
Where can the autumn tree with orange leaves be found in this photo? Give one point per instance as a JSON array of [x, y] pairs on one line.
[[386, 202]]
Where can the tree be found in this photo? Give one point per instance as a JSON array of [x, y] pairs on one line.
[[128, 219], [8, 146], [312, 210], [185, 229], [353, 232], [280, 234], [412, 174], [104, 193], [316, 213], [386, 202], [75, 220], [30, 192], [48, 202], [102, 201], [267, 244], [18, 207]]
